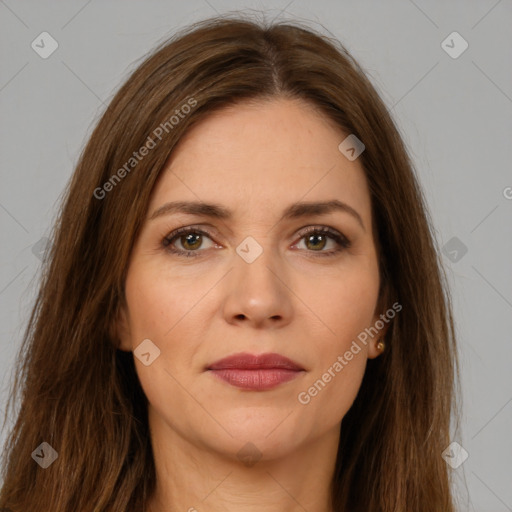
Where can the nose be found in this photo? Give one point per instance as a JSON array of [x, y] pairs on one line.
[[258, 293]]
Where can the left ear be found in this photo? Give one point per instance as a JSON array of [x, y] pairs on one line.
[[377, 345], [380, 322]]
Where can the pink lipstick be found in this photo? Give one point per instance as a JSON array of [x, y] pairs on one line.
[[256, 372]]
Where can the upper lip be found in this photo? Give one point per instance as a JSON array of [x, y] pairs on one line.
[[255, 362]]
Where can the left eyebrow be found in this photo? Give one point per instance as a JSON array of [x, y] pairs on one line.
[[305, 209], [294, 211]]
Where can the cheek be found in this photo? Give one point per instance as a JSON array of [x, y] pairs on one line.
[[341, 347], [346, 307], [331, 395], [162, 310], [169, 311], [334, 383], [160, 305]]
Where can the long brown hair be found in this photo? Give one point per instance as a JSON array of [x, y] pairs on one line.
[[81, 395]]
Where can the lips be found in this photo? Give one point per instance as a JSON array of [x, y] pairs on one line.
[[255, 362], [256, 372]]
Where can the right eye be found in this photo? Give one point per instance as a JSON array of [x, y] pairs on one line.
[[190, 238]]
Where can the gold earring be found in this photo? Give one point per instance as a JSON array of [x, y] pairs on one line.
[[381, 346]]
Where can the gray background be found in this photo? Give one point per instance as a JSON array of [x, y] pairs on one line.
[[454, 114]]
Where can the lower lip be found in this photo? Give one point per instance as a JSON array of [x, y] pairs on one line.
[[256, 380]]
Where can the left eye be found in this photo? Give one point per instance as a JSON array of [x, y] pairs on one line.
[[313, 235], [317, 240], [191, 239]]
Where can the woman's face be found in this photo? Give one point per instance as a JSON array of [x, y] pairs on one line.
[[257, 283]]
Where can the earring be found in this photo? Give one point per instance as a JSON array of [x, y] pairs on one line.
[[381, 346]]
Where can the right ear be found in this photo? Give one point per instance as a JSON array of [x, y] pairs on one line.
[[119, 330]]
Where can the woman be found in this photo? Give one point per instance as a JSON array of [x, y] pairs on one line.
[[243, 306]]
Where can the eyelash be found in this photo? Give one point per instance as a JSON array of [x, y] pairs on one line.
[[342, 241]]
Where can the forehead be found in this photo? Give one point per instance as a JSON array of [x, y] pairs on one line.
[[262, 156]]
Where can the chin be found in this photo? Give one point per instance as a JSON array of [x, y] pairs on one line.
[[269, 436]]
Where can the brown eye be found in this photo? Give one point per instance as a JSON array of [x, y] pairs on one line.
[[190, 239], [316, 240]]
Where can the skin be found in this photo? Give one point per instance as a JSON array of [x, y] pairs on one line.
[[290, 300]]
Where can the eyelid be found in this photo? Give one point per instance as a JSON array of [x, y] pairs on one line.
[[185, 230], [342, 241]]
